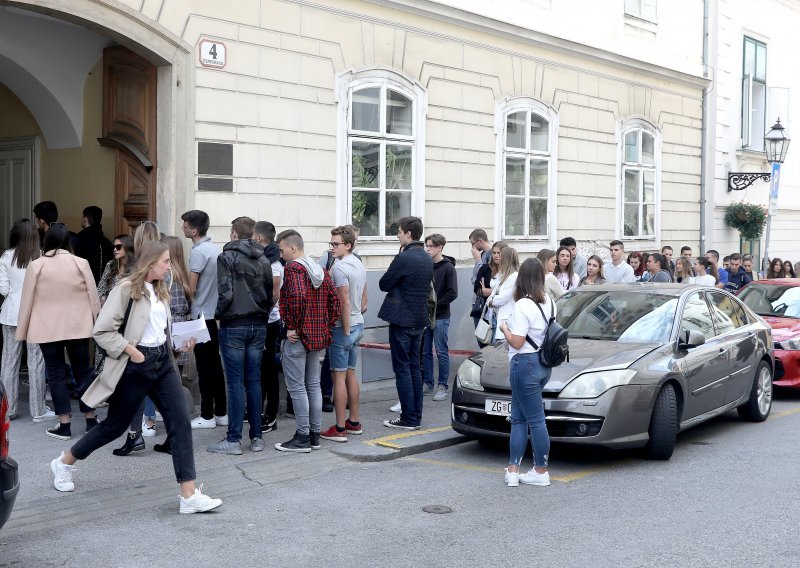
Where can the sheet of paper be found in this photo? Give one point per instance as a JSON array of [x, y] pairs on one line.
[[183, 331]]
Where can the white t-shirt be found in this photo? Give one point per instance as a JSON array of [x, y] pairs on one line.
[[503, 301], [527, 320], [565, 281], [277, 270], [704, 280], [349, 271], [154, 333]]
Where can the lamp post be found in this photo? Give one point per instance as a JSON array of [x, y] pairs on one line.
[[776, 144]]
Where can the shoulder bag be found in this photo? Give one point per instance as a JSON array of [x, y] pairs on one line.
[[483, 331]]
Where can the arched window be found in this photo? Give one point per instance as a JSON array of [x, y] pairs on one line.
[[527, 139], [382, 124], [640, 159]]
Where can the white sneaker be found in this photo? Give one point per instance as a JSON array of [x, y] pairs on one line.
[[148, 431], [221, 420], [48, 415], [533, 477], [198, 503], [159, 418], [395, 408], [200, 423], [62, 474], [512, 478]]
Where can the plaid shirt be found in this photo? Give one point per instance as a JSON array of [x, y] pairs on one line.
[[312, 312]]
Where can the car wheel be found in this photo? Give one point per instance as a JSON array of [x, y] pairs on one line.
[[758, 406], [663, 425]]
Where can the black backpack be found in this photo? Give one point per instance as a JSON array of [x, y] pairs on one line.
[[554, 349]]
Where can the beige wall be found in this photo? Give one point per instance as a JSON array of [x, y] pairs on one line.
[[73, 178]]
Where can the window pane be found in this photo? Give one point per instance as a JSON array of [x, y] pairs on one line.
[[759, 126], [366, 164], [398, 113], [631, 220], [632, 147], [515, 216], [367, 109], [515, 130], [540, 137], [538, 178], [649, 186], [366, 205], [398, 167], [648, 149], [537, 217], [761, 62], [696, 317], [648, 220], [632, 186], [515, 176], [649, 10], [398, 205], [632, 7], [749, 57]]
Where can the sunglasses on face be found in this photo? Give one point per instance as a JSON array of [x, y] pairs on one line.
[[117, 247]]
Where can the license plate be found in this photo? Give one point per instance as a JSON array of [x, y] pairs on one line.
[[498, 407]]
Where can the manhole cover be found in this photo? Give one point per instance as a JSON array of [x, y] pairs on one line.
[[437, 509]]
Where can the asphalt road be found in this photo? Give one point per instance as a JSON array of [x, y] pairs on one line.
[[730, 496]]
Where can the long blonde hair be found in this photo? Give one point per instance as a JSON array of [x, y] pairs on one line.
[[509, 263], [180, 273], [150, 253], [145, 232], [495, 267]]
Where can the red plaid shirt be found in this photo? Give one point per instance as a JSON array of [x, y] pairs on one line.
[[312, 312]]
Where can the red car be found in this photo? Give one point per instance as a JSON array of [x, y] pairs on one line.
[[778, 302], [9, 476]]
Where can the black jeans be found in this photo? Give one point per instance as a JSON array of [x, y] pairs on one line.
[[157, 378], [325, 377], [213, 401], [55, 365], [270, 387]]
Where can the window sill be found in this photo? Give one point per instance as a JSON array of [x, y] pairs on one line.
[[527, 244], [751, 155], [641, 23]]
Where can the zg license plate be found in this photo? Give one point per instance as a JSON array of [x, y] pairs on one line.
[[498, 407]]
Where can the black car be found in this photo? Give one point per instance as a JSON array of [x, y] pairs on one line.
[[9, 477]]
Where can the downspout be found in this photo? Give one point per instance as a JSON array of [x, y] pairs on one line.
[[703, 129]]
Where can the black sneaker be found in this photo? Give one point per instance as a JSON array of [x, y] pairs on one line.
[[327, 404], [60, 431], [314, 436], [300, 443], [268, 425], [397, 423], [91, 423]]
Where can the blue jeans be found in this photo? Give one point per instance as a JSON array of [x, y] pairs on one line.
[[241, 348], [436, 337], [344, 349], [405, 343], [528, 377], [301, 372]]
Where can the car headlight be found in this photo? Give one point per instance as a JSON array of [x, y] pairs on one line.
[[593, 384], [469, 376], [789, 344]]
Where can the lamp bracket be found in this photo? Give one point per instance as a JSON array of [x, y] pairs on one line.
[[742, 180]]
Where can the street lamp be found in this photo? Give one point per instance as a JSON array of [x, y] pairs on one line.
[[776, 144]]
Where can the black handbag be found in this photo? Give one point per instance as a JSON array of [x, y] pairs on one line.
[[477, 307]]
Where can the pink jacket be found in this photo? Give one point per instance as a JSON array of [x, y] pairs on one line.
[[59, 300]]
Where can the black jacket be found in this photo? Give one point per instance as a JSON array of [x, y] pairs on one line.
[[407, 283], [93, 245], [272, 252], [244, 281], [445, 282], [737, 281]]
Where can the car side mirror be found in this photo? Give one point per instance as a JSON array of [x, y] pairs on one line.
[[690, 338]]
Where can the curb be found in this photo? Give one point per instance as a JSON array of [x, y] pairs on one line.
[[373, 451]]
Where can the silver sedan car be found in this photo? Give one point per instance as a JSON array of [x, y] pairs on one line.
[[646, 362]]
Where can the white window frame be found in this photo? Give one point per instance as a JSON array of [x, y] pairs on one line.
[[623, 127], [504, 108], [747, 110], [638, 9], [382, 77]]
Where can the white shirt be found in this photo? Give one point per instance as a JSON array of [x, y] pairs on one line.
[[527, 320], [155, 331], [277, 270], [11, 279], [704, 280], [566, 283], [616, 273], [503, 302]]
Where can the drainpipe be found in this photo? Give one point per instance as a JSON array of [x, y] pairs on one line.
[[703, 144]]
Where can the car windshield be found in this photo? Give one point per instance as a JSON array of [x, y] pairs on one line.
[[773, 300], [626, 316]]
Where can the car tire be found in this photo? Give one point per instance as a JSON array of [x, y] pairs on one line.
[[759, 404], [663, 425]]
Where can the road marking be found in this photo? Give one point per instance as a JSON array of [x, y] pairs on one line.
[[784, 413], [388, 441], [485, 469]]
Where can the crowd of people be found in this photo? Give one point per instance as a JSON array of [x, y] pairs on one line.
[[261, 295]]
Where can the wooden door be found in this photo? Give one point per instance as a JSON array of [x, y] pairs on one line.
[[16, 188], [129, 126]]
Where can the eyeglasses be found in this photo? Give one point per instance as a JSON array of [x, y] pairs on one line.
[[334, 245], [117, 247]]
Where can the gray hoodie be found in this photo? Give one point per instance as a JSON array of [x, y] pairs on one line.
[[315, 271]]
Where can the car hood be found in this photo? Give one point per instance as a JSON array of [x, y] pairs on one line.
[[583, 354], [783, 328]]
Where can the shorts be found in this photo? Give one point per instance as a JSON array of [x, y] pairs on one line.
[[344, 349]]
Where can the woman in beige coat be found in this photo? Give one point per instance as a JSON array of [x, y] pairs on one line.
[[58, 307]]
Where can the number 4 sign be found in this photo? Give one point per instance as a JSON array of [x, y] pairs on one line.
[[212, 53]]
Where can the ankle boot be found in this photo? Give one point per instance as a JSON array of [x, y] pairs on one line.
[[133, 443], [165, 448]]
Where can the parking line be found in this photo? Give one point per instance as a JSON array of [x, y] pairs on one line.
[[561, 478], [784, 413], [388, 441]]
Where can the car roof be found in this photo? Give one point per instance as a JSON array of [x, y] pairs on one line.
[[778, 281], [662, 288]]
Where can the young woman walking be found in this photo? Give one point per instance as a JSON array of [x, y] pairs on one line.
[[115, 269], [13, 262], [142, 357], [58, 307], [551, 285], [564, 272], [503, 286], [527, 375], [594, 271]]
